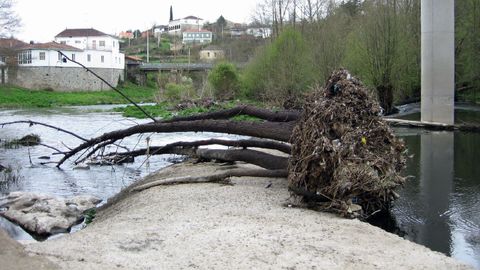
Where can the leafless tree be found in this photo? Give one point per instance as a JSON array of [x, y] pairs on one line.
[[9, 20]]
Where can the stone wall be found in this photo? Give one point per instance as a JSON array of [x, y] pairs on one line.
[[66, 79]]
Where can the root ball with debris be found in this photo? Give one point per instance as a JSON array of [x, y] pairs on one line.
[[343, 154]]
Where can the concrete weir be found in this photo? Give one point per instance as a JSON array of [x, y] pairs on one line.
[[438, 61]]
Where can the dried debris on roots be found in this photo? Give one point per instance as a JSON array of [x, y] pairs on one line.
[[342, 150]]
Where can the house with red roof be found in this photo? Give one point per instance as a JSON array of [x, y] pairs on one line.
[[44, 65], [178, 26]]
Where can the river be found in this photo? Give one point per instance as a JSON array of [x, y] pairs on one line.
[[439, 206]]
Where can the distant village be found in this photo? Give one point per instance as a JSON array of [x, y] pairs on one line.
[[55, 65]]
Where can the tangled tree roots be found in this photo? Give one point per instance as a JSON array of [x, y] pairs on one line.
[[343, 153]]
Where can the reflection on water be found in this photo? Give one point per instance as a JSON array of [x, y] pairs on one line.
[[440, 205]]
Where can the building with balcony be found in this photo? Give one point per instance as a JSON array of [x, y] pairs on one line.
[[196, 36], [178, 26], [42, 65]]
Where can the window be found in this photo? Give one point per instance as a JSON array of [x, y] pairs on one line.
[[59, 57], [94, 44], [25, 57], [73, 56], [63, 42], [208, 54], [89, 58], [114, 44], [77, 42], [101, 43], [41, 55], [102, 59]]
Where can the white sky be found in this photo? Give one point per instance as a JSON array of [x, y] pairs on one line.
[[43, 19]]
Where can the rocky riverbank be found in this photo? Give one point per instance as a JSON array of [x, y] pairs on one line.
[[247, 225]]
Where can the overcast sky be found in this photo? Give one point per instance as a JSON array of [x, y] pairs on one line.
[[42, 20]]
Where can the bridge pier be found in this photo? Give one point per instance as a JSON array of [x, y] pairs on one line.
[[438, 61]]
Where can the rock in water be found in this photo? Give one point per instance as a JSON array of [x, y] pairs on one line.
[[44, 215]]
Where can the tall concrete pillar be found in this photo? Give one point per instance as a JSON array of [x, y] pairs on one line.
[[438, 61]]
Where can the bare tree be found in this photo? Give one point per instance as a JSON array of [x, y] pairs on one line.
[[9, 20], [310, 10]]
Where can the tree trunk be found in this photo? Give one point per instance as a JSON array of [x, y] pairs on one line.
[[385, 98], [271, 130]]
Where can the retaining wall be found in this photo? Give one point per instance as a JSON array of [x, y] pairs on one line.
[[66, 79]]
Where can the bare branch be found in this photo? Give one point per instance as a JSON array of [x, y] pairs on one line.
[[271, 130], [219, 177], [31, 123]]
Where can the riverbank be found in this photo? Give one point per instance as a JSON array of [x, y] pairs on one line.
[[242, 226], [16, 97]]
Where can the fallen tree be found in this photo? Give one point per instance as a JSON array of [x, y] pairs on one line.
[[337, 152]]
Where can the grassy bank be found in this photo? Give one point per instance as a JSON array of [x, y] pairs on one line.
[[11, 96]]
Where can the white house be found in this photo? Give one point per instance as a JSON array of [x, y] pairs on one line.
[[99, 49], [197, 36], [259, 32], [176, 27], [41, 66]]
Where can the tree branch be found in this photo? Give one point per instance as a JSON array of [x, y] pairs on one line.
[[277, 131], [219, 177], [280, 116], [283, 147], [111, 86], [31, 123]]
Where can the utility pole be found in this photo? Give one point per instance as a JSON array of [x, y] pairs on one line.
[[148, 46]]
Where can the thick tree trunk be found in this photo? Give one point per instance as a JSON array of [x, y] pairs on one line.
[[271, 130], [280, 116], [159, 150], [264, 160]]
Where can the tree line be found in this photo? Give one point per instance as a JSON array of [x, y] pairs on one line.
[[377, 40]]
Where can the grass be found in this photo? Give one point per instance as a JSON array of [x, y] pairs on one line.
[[13, 97], [28, 140]]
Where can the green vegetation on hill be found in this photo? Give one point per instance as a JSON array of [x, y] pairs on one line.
[[11, 96]]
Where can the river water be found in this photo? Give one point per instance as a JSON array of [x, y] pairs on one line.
[[439, 206]]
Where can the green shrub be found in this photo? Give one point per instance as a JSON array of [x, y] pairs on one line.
[[281, 71], [177, 92], [224, 80]]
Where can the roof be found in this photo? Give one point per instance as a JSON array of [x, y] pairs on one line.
[[11, 43], [81, 32], [133, 58], [192, 18], [49, 46]]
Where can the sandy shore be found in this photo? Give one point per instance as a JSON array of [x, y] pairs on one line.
[[240, 226]]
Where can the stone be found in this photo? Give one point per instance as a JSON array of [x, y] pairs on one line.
[[44, 215]]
